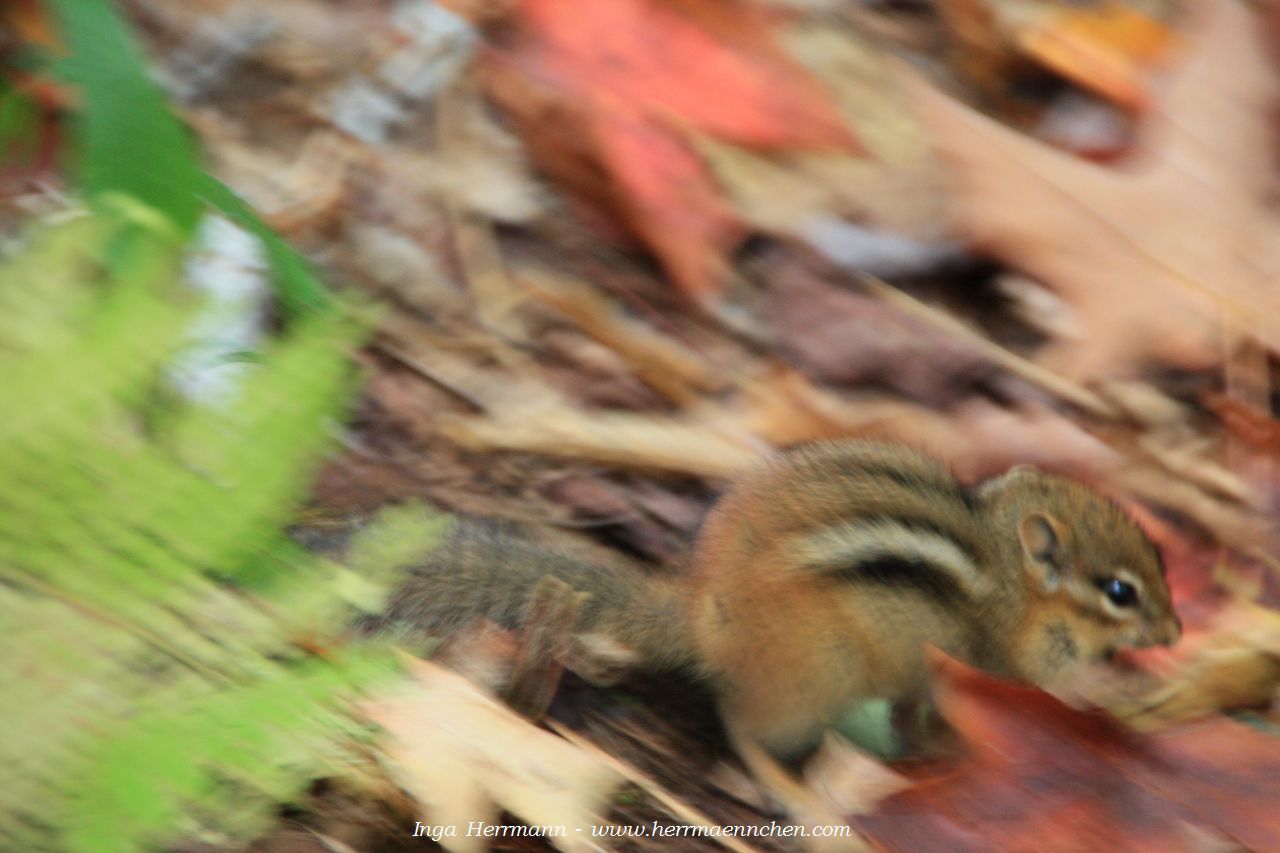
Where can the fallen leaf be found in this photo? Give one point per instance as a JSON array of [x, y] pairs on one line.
[[306, 189], [978, 48], [649, 519], [1255, 428], [610, 506], [404, 268], [838, 336], [29, 22], [1037, 775], [1151, 256], [897, 188], [1108, 48], [849, 779], [465, 758], [610, 114], [678, 372], [1235, 664], [478, 167], [592, 373], [626, 440]]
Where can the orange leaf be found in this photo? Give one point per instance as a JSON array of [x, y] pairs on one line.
[[1108, 49], [708, 64], [668, 199], [646, 181], [627, 81], [29, 22]]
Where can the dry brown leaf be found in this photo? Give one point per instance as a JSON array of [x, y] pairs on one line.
[[297, 39], [1236, 664], [978, 48], [647, 518], [839, 336], [465, 757], [952, 328], [661, 362], [897, 187], [631, 441], [496, 297], [404, 268], [1151, 255], [591, 373], [307, 188], [29, 22], [849, 779], [479, 166], [479, 255]]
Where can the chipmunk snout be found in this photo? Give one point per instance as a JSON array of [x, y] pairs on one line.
[[1164, 633], [1172, 632]]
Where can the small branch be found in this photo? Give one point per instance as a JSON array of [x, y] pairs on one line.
[[1057, 385]]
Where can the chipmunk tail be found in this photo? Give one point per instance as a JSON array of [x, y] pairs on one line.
[[490, 570]]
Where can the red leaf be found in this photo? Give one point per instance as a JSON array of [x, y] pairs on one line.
[[667, 199], [629, 80], [711, 65], [1041, 776]]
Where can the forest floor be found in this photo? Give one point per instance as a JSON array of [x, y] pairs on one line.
[[624, 249]]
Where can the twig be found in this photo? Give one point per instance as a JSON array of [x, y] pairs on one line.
[[661, 363], [1057, 385]]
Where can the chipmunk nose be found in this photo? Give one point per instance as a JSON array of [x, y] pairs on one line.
[[1163, 633], [1170, 632]]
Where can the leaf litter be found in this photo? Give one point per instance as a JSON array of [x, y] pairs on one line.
[[553, 212]]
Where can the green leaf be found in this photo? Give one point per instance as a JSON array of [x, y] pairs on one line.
[[299, 291], [146, 691], [201, 757], [129, 141], [19, 127]]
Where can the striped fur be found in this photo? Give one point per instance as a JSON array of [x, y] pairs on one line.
[[862, 503], [867, 548], [819, 578]]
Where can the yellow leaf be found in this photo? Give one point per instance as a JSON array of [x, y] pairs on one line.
[[465, 758]]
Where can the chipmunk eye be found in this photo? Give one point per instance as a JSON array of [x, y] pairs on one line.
[[1118, 592]]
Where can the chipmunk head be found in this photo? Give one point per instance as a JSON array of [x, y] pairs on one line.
[[1095, 583]]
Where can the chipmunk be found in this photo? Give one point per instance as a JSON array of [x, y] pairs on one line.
[[818, 579]]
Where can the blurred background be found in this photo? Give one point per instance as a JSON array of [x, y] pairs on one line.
[[286, 283]]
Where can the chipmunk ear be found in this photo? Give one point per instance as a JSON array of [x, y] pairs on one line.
[[1041, 536]]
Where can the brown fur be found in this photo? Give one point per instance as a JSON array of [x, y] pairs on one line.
[[791, 651], [818, 579]]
